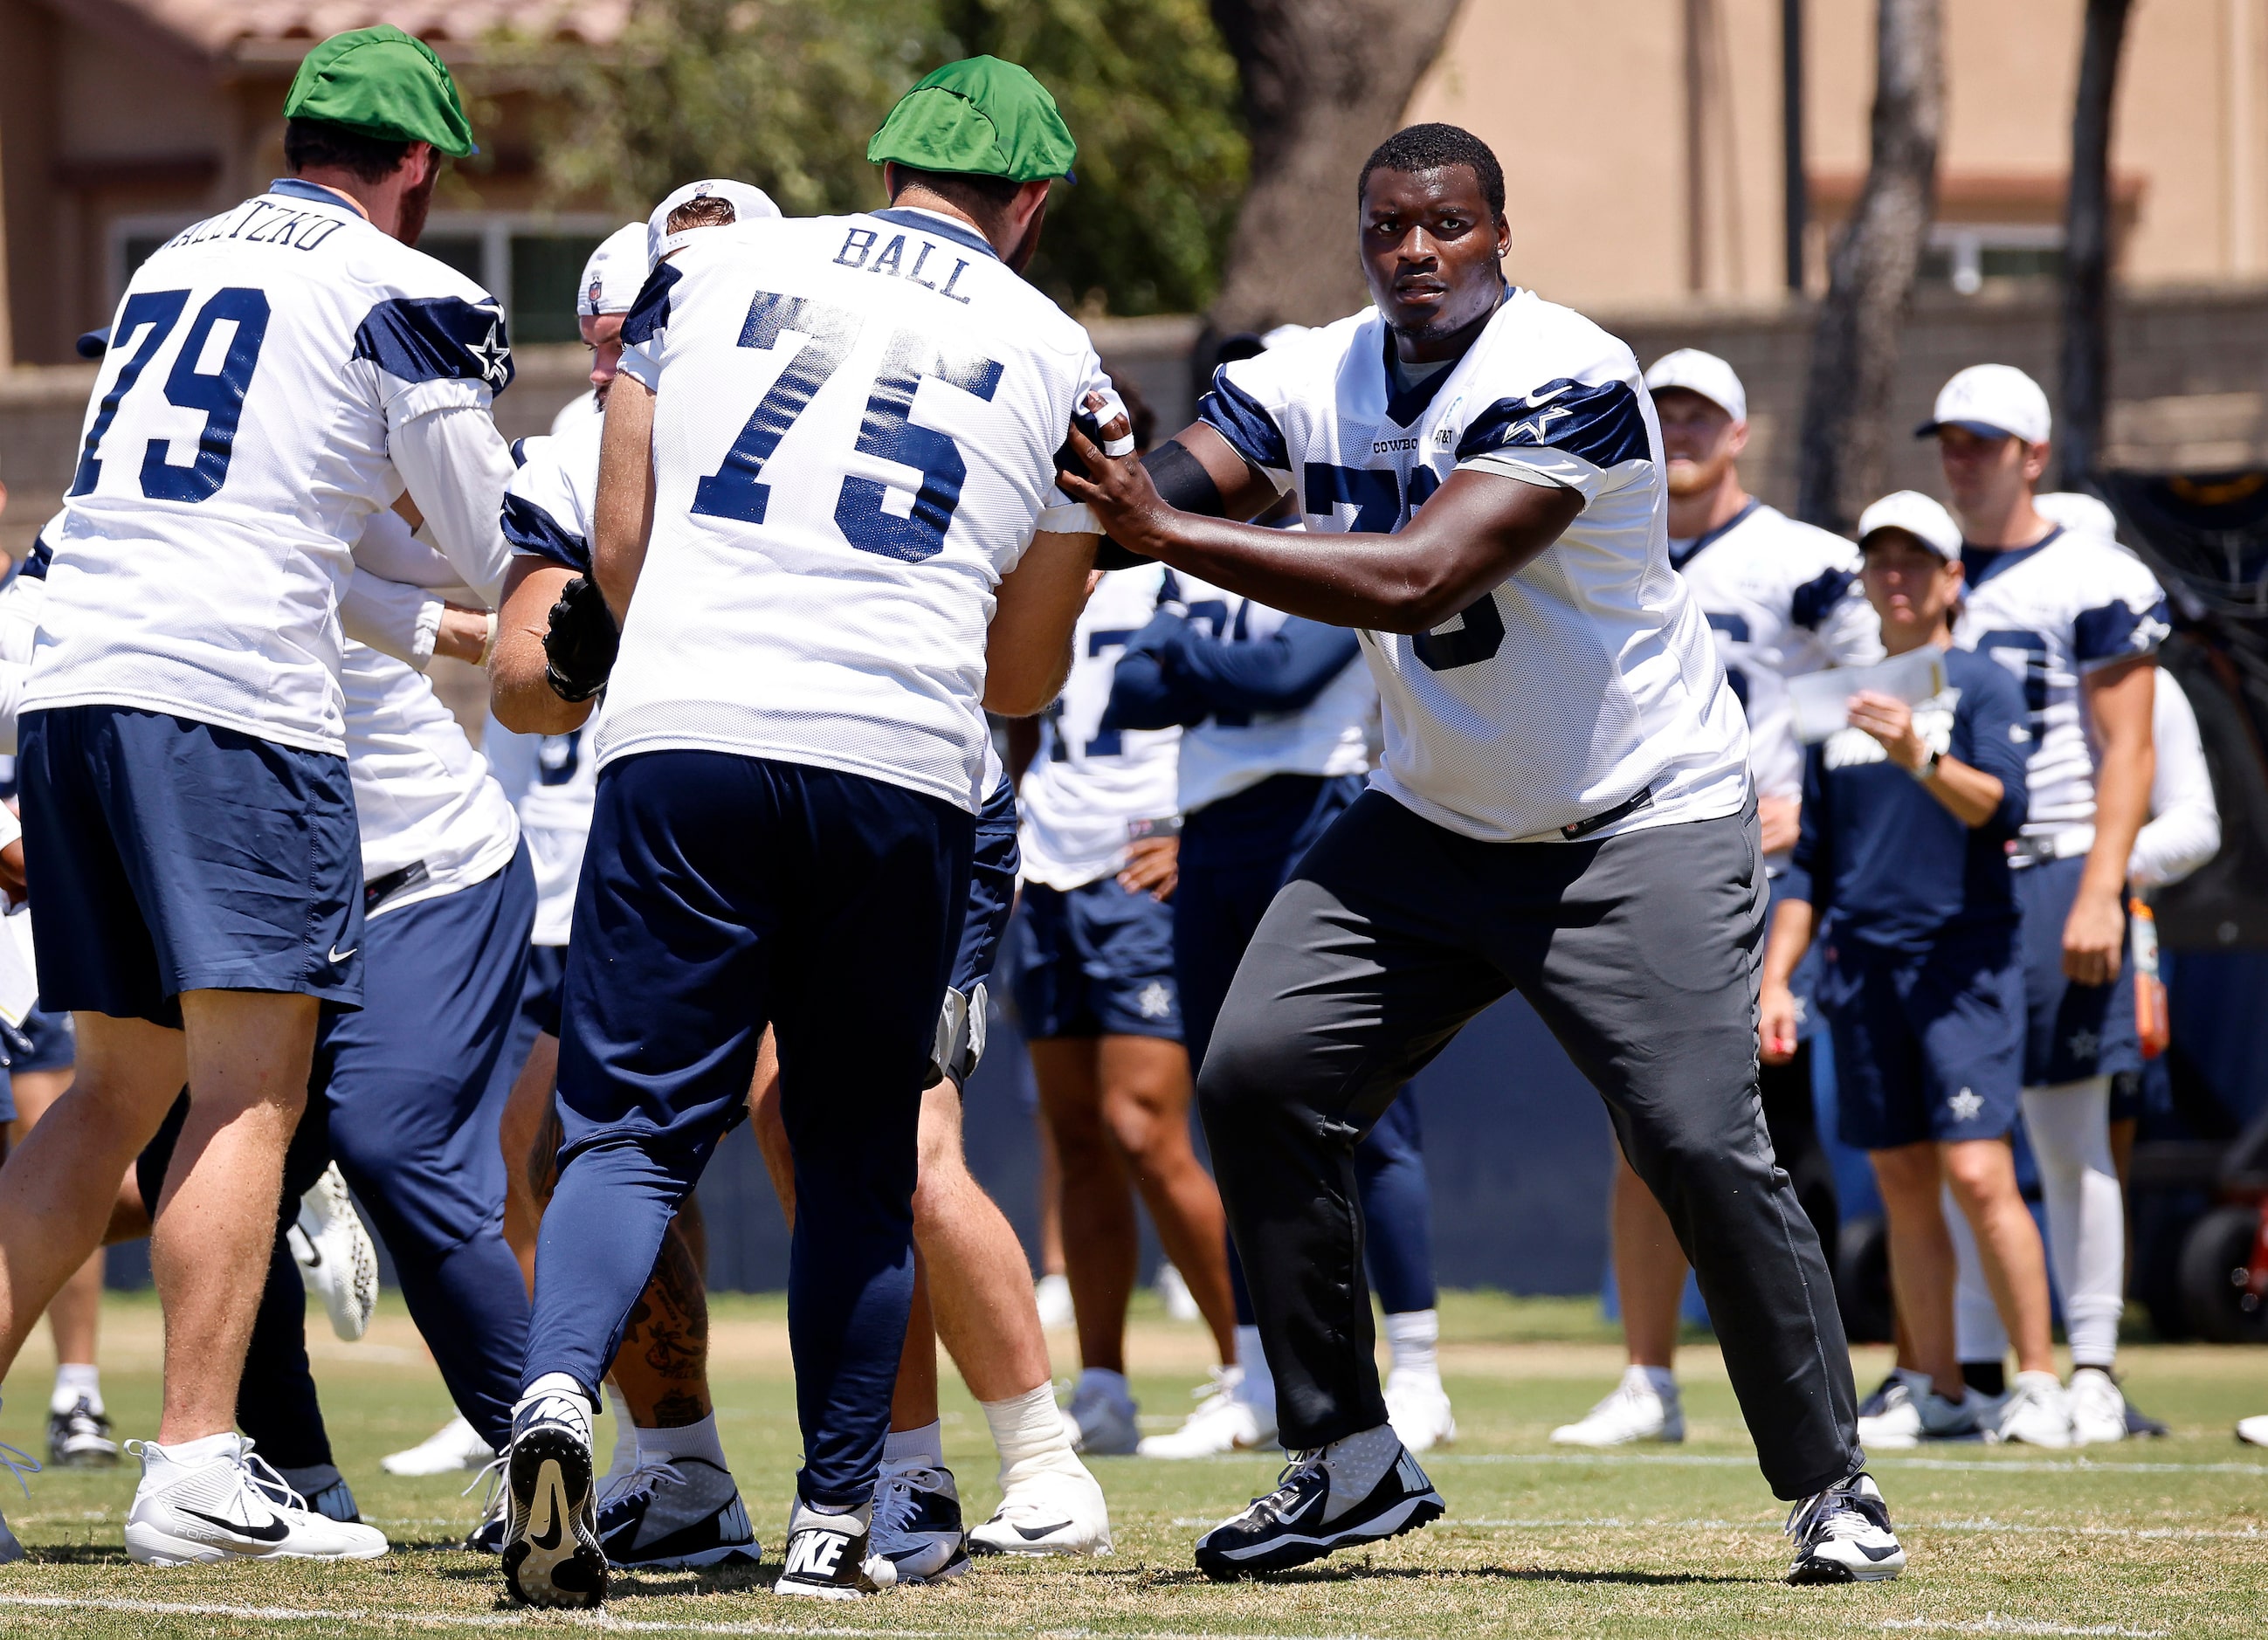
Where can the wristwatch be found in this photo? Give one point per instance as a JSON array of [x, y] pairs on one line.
[[1928, 765]]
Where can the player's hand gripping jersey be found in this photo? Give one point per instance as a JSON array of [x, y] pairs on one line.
[[1479, 734], [2052, 614], [854, 436], [1783, 598], [251, 414], [1089, 783]]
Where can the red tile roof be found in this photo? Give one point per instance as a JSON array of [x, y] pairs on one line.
[[272, 30]]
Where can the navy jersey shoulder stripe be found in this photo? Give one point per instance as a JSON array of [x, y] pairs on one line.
[[923, 222], [649, 310], [1817, 597], [2117, 630], [439, 338], [1600, 422], [1242, 419], [530, 528]]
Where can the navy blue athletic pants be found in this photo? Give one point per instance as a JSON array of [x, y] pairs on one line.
[[721, 893], [1235, 854]]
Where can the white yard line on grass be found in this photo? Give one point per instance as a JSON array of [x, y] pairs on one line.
[[2071, 1465], [602, 1621], [1992, 1623]]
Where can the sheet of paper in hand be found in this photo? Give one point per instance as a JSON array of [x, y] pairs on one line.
[[1820, 701]]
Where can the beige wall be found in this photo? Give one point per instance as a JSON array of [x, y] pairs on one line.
[[1586, 102]]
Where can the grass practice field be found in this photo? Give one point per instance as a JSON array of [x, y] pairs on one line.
[[2157, 1538]]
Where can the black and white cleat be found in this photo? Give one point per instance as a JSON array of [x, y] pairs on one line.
[[551, 1550], [1842, 1535], [831, 1557], [677, 1515], [917, 1526], [1296, 1523]]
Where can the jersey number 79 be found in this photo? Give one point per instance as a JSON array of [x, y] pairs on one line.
[[216, 385]]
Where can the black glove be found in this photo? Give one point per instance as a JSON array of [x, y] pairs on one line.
[[580, 642]]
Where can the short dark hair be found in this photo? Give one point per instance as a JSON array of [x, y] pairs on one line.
[[308, 143], [703, 211], [1431, 147], [982, 197]]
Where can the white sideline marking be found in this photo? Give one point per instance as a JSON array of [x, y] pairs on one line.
[[2075, 1466], [1992, 1623], [602, 1621]]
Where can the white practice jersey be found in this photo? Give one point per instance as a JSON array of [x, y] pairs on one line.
[[1583, 681], [263, 365], [2185, 827], [1087, 784], [1335, 733], [553, 497], [854, 436], [2052, 614], [1783, 598]]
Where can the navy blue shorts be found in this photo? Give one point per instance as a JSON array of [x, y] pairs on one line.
[[991, 890], [50, 1042], [1095, 961], [2072, 1031], [1927, 1048], [721, 893], [167, 855], [547, 982]]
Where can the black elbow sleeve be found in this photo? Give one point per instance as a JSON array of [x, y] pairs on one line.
[[1182, 484]]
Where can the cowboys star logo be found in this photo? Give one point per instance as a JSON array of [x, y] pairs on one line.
[[1156, 1001], [494, 356], [1965, 1106], [2084, 1045]]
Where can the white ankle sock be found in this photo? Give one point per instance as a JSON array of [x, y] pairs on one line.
[[624, 1458], [204, 1450], [686, 1440], [917, 1449], [1411, 1336], [1357, 1464], [74, 1379], [1031, 1434], [1661, 1381], [1259, 1388]]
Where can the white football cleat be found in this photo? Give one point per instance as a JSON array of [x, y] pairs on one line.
[[232, 1506], [2253, 1431], [1047, 1512], [338, 1262], [1844, 1535], [1052, 1294], [455, 1445], [1635, 1412], [2098, 1407], [1418, 1409], [1226, 1421], [2034, 1411], [1913, 1411]]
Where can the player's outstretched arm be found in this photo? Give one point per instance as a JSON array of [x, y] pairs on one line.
[[1477, 529], [519, 693], [622, 516], [1027, 647]]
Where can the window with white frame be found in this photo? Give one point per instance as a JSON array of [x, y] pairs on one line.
[[1968, 254]]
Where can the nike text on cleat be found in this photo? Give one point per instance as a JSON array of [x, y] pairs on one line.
[[1226, 1421], [1053, 1510], [79, 1439], [674, 1514], [1288, 1527], [338, 1262], [231, 1506], [916, 1524], [455, 1445], [1636, 1411], [1842, 1535], [830, 1557], [551, 1551]]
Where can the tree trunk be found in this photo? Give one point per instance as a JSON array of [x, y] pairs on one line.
[[1325, 82], [1854, 351], [2086, 246]]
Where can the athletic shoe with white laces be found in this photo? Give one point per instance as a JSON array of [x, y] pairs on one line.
[[455, 1445], [337, 1261], [1915, 1412], [916, 1523], [1635, 1412], [1104, 1416], [551, 1550], [1418, 1409], [1842, 1535], [1226, 1421], [1052, 1295], [488, 1538], [230, 1506], [79, 1439], [2253, 1431], [671, 1514], [2098, 1407], [1296, 1523], [2034, 1411], [1047, 1512], [20, 1464], [831, 1557]]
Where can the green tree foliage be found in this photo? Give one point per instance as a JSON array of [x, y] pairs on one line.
[[784, 93]]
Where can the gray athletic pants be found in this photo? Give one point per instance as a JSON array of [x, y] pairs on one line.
[[1640, 953]]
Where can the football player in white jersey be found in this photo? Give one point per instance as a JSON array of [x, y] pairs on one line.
[[280, 372], [1782, 599], [602, 301], [2079, 621], [1564, 807], [790, 757], [1091, 971]]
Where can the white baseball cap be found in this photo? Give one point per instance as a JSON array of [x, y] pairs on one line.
[[1994, 401], [1919, 516], [611, 278], [1703, 373], [2079, 512], [748, 202]]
